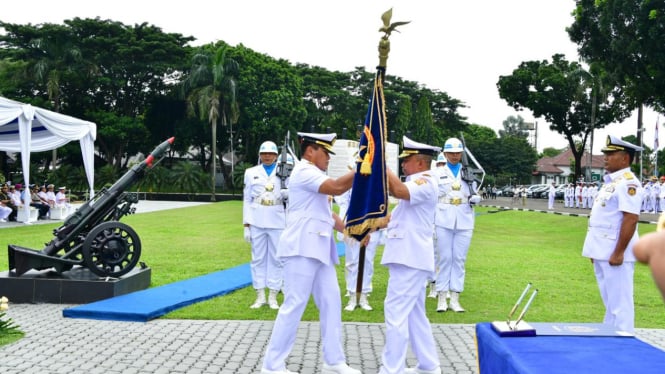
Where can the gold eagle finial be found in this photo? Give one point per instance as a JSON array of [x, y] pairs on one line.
[[387, 29]]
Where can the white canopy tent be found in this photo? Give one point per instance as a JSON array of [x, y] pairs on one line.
[[25, 129]]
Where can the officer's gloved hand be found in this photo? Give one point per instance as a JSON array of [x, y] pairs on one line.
[[340, 236], [475, 199], [284, 193], [247, 236]]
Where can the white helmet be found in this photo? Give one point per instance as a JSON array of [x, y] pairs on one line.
[[440, 158], [268, 147], [289, 160], [453, 145]]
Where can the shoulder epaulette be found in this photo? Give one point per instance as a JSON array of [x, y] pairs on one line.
[[628, 175]]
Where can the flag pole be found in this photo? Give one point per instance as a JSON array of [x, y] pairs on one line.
[[655, 146], [384, 50], [361, 271]]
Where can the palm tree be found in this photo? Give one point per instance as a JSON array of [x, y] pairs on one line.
[[210, 91]]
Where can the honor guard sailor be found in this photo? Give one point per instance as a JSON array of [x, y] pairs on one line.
[[454, 226], [264, 219], [409, 256], [612, 232], [309, 254]]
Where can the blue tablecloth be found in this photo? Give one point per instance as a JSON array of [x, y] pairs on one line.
[[565, 354]]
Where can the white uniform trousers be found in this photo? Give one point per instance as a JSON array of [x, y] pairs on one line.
[[452, 247], [406, 321], [616, 289], [351, 261], [550, 202], [5, 211], [304, 276], [266, 267]]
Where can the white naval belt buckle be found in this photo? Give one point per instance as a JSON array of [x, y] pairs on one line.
[[456, 201]]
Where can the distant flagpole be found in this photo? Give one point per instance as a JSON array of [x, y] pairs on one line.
[[368, 208], [655, 148]]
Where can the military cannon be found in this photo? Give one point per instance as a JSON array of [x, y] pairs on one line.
[[92, 236]]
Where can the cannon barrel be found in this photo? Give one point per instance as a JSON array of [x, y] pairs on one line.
[[110, 204], [105, 202]]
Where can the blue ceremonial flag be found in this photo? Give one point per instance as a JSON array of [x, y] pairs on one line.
[[368, 207]]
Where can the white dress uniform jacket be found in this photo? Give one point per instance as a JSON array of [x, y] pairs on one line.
[[453, 208], [620, 193], [310, 224], [262, 201], [409, 234]]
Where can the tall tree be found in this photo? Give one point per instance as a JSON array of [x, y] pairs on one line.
[[136, 64], [423, 123], [271, 98], [131, 65], [210, 90], [558, 92], [329, 101], [52, 56], [625, 37], [506, 158], [514, 126]]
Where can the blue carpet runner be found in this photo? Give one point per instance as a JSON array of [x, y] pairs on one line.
[[142, 306]]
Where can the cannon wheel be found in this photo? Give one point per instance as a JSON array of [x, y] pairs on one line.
[[111, 249]]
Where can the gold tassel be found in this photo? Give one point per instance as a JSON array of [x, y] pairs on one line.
[[366, 166]]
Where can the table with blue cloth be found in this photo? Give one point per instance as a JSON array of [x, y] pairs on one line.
[[565, 354]]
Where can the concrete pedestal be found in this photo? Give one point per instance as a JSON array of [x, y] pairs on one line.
[[76, 286]]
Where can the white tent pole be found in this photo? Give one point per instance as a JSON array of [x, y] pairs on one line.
[[25, 135]]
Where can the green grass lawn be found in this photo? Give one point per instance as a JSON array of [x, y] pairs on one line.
[[509, 249]]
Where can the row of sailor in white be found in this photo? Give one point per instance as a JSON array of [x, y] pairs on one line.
[[651, 198]]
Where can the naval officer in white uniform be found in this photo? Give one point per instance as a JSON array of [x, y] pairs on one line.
[[308, 251], [264, 220], [612, 233], [409, 256]]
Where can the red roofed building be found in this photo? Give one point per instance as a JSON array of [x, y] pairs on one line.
[[560, 169]]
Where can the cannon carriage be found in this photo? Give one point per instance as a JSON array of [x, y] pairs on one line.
[[93, 236]]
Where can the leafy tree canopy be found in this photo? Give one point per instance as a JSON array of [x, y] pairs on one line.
[[625, 37], [566, 95]]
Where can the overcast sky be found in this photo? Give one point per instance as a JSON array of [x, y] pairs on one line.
[[460, 47]]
